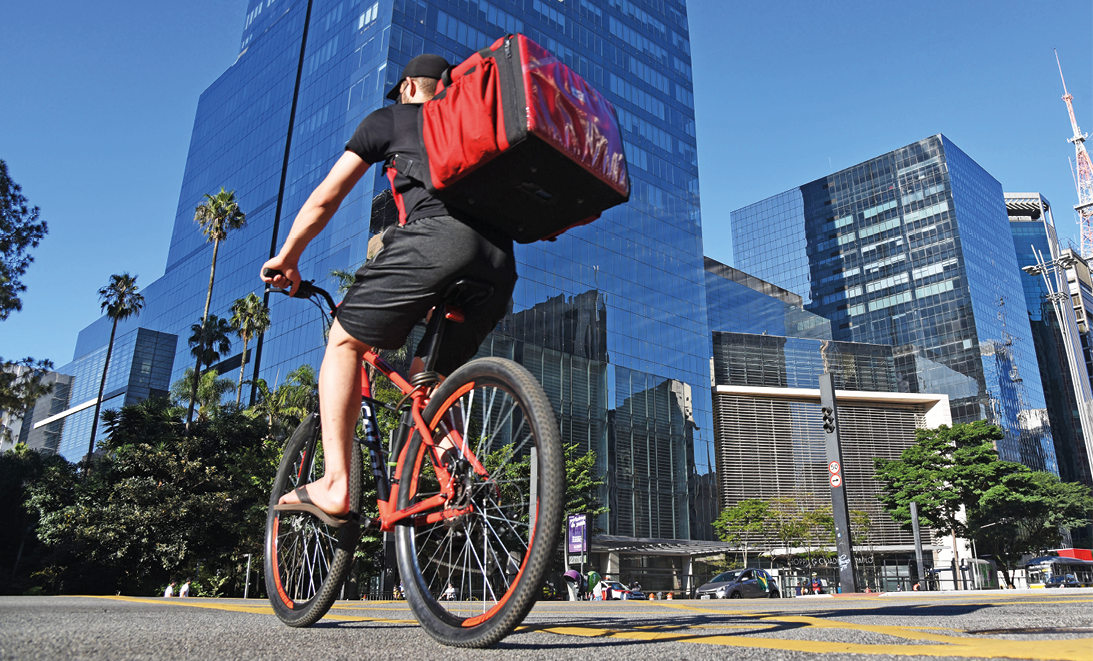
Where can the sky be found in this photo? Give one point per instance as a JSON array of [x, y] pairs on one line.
[[99, 99]]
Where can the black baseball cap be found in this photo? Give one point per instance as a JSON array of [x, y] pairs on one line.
[[426, 66]]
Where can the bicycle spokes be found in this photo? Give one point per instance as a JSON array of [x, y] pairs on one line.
[[305, 551], [477, 550], [304, 545]]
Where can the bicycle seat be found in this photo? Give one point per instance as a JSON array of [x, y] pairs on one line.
[[467, 293]]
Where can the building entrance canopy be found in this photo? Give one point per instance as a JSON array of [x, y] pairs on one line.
[[650, 546]]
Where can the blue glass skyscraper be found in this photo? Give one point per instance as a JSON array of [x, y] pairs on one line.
[[1034, 238], [611, 317], [904, 250]]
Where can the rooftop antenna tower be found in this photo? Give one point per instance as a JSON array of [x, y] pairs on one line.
[[1083, 173]]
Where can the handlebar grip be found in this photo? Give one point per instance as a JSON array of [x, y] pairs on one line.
[[305, 290], [272, 273]]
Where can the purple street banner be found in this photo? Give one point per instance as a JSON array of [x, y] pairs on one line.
[[577, 533]]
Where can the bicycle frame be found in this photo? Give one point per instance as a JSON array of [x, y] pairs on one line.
[[387, 488]]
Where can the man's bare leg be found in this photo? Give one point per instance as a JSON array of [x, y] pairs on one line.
[[339, 406]]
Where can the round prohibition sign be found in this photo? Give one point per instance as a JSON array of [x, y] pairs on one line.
[[836, 481], [834, 467]]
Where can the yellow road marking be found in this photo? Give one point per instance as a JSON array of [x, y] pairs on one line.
[[1076, 649], [1058, 650], [258, 610]]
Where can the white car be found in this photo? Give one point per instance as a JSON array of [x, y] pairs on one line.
[[616, 590], [740, 584]]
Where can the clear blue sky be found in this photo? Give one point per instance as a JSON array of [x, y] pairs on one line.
[[99, 101]]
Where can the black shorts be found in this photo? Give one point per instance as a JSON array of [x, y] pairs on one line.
[[400, 284]]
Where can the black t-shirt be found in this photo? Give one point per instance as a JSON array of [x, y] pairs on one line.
[[394, 130]]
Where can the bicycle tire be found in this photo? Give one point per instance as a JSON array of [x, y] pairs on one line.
[[503, 412], [306, 561]]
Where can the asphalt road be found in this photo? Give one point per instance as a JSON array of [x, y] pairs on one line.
[[1035, 625]]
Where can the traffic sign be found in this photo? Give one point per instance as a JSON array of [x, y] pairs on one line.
[[836, 480], [834, 468]]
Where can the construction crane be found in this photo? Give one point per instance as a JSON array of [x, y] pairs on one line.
[[1083, 173]]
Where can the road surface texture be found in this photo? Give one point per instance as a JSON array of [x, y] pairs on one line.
[[1042, 624]]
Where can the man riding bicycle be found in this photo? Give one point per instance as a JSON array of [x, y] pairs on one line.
[[398, 286]]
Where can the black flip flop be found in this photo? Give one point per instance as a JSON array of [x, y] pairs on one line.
[[307, 505]]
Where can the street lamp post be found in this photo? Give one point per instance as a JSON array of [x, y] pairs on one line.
[[246, 586]]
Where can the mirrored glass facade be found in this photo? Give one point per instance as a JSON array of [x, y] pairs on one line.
[[1034, 232], [140, 367], [611, 317], [769, 361], [741, 303], [903, 250]]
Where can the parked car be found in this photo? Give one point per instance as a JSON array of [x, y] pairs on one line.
[[616, 590], [740, 584]]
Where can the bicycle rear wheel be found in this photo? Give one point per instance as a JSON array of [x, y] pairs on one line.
[[489, 561], [306, 560]]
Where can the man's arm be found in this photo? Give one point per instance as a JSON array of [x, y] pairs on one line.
[[313, 217]]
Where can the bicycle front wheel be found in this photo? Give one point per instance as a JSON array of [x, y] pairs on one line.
[[472, 568], [306, 560]]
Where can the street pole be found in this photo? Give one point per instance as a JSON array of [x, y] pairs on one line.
[[918, 547], [844, 546], [246, 586]]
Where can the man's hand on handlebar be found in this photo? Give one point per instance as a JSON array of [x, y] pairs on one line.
[[282, 274]]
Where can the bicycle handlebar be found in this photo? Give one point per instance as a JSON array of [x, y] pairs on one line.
[[307, 289]]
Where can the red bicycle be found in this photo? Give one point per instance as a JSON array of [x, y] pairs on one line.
[[471, 483]]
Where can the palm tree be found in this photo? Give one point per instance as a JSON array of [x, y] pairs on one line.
[[209, 393], [120, 300], [285, 406], [208, 341], [250, 318], [344, 278], [217, 215]]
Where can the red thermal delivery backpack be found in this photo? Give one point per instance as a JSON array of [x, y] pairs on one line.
[[520, 141]]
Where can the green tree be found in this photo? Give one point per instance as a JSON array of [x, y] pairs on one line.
[[20, 230], [1025, 514], [285, 406], [344, 278], [250, 318], [20, 386], [819, 530], [786, 522], [217, 215], [741, 522], [582, 483], [946, 472], [20, 553], [861, 532], [210, 391], [120, 299], [208, 341], [160, 501]]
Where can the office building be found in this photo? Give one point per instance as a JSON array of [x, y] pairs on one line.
[[770, 440], [904, 250], [1035, 240], [741, 303], [42, 427], [140, 367], [1080, 284], [767, 424], [309, 71]]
